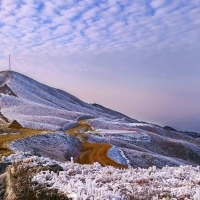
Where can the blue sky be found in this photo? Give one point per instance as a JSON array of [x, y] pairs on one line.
[[140, 57]]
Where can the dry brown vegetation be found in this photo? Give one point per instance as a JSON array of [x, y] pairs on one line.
[[20, 187]]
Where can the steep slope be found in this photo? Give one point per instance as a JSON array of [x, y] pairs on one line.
[[30, 104], [36, 105]]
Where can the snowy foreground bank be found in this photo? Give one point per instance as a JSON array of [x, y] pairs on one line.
[[97, 182]]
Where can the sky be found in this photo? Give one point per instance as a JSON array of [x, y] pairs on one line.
[[139, 57]]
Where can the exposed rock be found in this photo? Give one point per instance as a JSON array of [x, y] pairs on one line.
[[6, 90], [3, 166], [3, 117], [15, 124], [55, 168]]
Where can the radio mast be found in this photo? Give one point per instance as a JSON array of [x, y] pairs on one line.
[[9, 63]]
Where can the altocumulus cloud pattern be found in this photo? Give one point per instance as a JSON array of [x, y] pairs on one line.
[[100, 25]]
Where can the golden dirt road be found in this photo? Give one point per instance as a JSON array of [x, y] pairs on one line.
[[92, 152], [6, 139]]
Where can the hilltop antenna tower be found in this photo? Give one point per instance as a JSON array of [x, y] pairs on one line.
[[9, 63]]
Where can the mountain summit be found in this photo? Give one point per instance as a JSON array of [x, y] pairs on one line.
[[35, 105], [26, 103]]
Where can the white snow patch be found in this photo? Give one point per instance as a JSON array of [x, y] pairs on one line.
[[139, 124], [118, 156]]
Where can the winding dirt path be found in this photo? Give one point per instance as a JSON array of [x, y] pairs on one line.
[[92, 152], [9, 137]]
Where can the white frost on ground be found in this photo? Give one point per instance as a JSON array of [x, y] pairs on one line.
[[97, 182], [25, 156], [139, 124], [58, 146], [81, 182], [36, 116], [118, 156], [38, 126], [28, 100], [110, 124], [136, 135]]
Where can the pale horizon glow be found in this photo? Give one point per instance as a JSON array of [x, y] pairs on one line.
[[137, 57]]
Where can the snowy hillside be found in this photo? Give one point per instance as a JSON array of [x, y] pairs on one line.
[[109, 134], [27, 101], [126, 159], [57, 146]]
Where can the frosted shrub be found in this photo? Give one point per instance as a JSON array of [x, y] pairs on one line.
[[197, 195], [97, 182], [102, 183]]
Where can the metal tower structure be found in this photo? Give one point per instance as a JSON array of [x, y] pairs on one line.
[[9, 63]]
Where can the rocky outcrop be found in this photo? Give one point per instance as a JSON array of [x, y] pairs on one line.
[[15, 124], [3, 118], [6, 90]]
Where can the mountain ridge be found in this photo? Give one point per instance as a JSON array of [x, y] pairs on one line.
[[27, 91], [37, 106]]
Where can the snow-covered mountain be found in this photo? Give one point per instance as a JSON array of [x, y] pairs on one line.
[[34, 105], [38, 106]]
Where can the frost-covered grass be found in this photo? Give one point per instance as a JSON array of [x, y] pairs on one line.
[[6, 138], [81, 182], [58, 146], [134, 136], [97, 182], [26, 157], [110, 124], [34, 115], [33, 100]]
